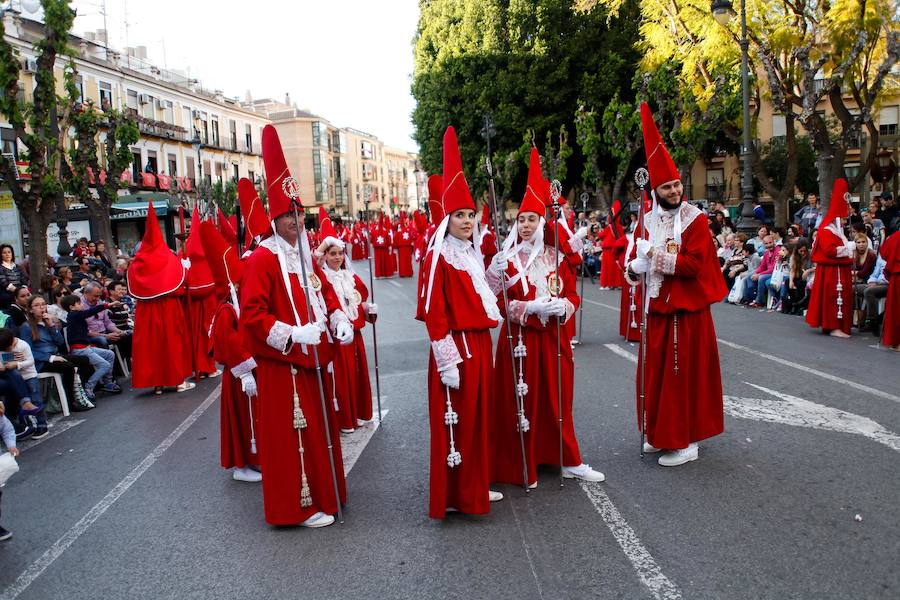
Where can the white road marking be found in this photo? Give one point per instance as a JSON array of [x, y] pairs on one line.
[[71, 536], [394, 283], [56, 427], [661, 587], [791, 410], [622, 352], [353, 444], [525, 545], [782, 361]]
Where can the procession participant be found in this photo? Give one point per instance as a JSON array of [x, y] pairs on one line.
[[161, 351], [256, 220], [631, 303], [831, 300], [890, 252], [381, 244], [403, 240], [421, 227], [459, 310], [351, 368], [226, 228], [488, 242], [682, 379], [299, 483], [435, 208], [539, 291], [237, 430], [611, 277], [202, 303]]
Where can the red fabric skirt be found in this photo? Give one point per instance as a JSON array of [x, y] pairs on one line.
[[610, 273], [683, 383], [384, 262], [351, 381], [823, 309], [541, 406], [161, 353], [235, 430], [891, 325], [465, 486], [200, 312], [278, 444], [404, 260]]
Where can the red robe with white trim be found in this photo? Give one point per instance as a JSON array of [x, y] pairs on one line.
[[235, 430], [541, 402], [610, 273], [161, 350], [890, 252], [383, 255], [683, 379], [266, 317], [403, 240], [457, 310], [630, 304], [830, 270], [200, 306]]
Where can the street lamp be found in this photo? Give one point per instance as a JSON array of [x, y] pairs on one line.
[[722, 11], [197, 145]]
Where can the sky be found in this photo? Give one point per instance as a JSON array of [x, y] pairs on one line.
[[348, 61]]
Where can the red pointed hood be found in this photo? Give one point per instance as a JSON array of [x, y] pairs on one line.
[[435, 189], [256, 220], [226, 229], [326, 227], [155, 270], [456, 194], [199, 276], [224, 263], [660, 164], [485, 215], [421, 224], [537, 196], [839, 208], [282, 188]]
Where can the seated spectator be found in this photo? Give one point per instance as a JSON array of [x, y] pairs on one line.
[[42, 332], [80, 344], [876, 289], [101, 329], [863, 266], [808, 216], [801, 270], [778, 281], [30, 407], [874, 226], [121, 270], [757, 242], [756, 286], [55, 308], [48, 283], [84, 274], [11, 276], [740, 270], [80, 248], [16, 400], [66, 277], [101, 258], [16, 310], [91, 254]]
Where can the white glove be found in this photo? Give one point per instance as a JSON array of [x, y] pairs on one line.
[[344, 333], [557, 307], [371, 309], [582, 232], [186, 263], [643, 247], [248, 384], [309, 334], [450, 377], [640, 265], [541, 308], [498, 263]]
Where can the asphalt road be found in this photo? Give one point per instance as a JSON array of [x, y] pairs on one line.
[[797, 499]]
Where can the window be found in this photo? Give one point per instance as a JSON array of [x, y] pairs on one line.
[[168, 111], [8, 136], [235, 175], [207, 173], [204, 127], [779, 126], [248, 137], [366, 150], [191, 171], [232, 132], [214, 125], [136, 166], [106, 96], [317, 130], [251, 176], [187, 121], [151, 166], [715, 184], [148, 110], [173, 165], [79, 83], [131, 99], [887, 120]]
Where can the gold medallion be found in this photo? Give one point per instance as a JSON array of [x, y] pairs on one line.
[[554, 284], [314, 282], [357, 297], [671, 246]]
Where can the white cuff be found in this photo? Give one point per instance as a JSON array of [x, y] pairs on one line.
[[664, 262], [570, 309], [629, 280], [279, 336], [576, 244], [518, 312], [243, 368], [446, 354], [338, 317]]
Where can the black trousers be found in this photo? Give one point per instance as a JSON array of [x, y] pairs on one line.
[[67, 370]]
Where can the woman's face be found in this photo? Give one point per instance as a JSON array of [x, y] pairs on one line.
[[461, 223], [92, 247], [803, 251], [101, 247], [783, 253], [38, 308], [6, 255], [22, 297], [334, 257], [862, 244], [528, 223]]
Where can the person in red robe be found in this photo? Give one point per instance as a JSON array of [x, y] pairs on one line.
[[488, 242], [831, 300], [295, 423], [631, 302], [611, 276], [682, 381], [200, 302], [459, 310], [253, 214], [890, 327], [383, 257], [237, 429], [352, 388], [541, 290], [161, 351], [403, 240]]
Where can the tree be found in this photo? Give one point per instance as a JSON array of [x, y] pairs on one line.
[[776, 162], [225, 195], [622, 131], [39, 124]]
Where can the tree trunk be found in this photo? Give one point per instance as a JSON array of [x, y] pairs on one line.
[[781, 210], [37, 245]]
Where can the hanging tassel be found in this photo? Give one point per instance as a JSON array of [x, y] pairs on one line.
[[632, 310], [451, 418], [840, 298], [522, 423], [299, 417], [305, 496]]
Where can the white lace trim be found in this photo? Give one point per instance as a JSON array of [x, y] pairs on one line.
[[243, 368], [344, 286], [446, 353], [290, 255], [279, 336], [664, 225], [461, 256]]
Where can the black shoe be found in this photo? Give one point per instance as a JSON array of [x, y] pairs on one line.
[[40, 432], [111, 388], [5, 534], [25, 433]]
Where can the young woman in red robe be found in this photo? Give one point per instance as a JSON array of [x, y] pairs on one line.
[[404, 240], [352, 388], [200, 302], [278, 331], [831, 300], [237, 430], [541, 289], [161, 350], [890, 252], [459, 310]]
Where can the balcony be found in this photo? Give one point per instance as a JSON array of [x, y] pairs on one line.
[[158, 129]]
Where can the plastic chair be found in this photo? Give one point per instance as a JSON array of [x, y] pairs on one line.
[[121, 360], [60, 390]]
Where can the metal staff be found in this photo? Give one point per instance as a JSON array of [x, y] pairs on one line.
[[584, 199], [555, 192], [642, 178], [371, 250], [315, 352], [520, 401]]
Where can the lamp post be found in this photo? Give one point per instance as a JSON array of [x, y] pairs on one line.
[[197, 145], [722, 11]]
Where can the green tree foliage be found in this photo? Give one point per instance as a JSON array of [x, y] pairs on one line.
[[225, 195], [775, 162], [530, 64]]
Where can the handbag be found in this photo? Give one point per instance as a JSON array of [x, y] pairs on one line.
[[777, 279], [8, 467]]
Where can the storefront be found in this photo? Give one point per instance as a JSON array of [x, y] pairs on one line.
[[129, 218]]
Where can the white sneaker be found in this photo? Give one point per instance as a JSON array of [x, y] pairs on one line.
[[532, 485], [215, 373], [246, 474], [186, 386], [362, 423], [648, 449], [495, 496], [319, 519], [583, 472], [679, 457], [347, 430]]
